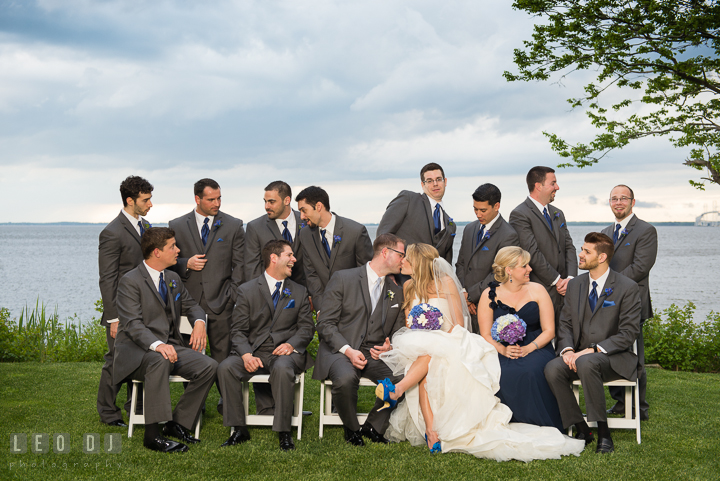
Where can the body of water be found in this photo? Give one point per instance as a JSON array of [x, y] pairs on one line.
[[58, 265]]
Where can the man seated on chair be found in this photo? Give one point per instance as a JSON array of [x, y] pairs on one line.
[[149, 347], [271, 328], [599, 323]]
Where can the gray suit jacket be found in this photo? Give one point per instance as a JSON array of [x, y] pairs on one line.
[[474, 264], [255, 319], [352, 250], [223, 272], [118, 253], [635, 254], [259, 232], [347, 307], [409, 217], [614, 325], [553, 252], [143, 319]]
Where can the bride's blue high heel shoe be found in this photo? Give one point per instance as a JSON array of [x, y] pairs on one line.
[[383, 390], [436, 448]]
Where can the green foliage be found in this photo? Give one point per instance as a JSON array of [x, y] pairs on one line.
[[680, 344], [313, 346], [666, 48], [40, 336]]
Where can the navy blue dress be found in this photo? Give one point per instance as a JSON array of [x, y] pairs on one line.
[[523, 387]]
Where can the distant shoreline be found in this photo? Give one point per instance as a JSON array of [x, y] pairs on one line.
[[580, 223]]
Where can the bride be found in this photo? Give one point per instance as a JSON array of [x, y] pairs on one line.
[[451, 377]]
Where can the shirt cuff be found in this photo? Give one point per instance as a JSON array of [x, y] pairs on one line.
[[199, 320], [344, 348], [555, 281], [600, 348], [112, 321], [154, 345]]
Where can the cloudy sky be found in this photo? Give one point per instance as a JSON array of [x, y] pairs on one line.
[[352, 96]]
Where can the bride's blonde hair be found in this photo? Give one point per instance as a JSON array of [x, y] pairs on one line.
[[422, 283]]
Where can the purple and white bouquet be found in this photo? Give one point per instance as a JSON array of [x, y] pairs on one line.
[[424, 316], [508, 328]]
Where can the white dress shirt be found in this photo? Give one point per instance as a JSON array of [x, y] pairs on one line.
[[433, 202], [623, 223], [329, 230], [291, 224], [598, 290], [271, 283], [200, 219]]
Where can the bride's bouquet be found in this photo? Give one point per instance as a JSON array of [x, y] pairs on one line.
[[425, 316], [508, 328]]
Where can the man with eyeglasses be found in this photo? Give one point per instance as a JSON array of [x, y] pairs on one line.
[[421, 218], [636, 246]]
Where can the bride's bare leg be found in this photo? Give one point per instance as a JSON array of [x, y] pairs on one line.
[[417, 372], [427, 413]]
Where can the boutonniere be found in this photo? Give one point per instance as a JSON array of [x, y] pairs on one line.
[[336, 239], [608, 291], [217, 224], [146, 225], [487, 235], [624, 232], [390, 295], [557, 214], [286, 293], [303, 225], [451, 222], [172, 284]]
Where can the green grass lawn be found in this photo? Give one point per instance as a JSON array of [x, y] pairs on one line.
[[680, 441]]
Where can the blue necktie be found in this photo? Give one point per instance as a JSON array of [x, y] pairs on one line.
[[325, 242], [142, 229], [616, 233], [436, 218], [286, 233], [547, 218], [276, 294], [162, 288], [480, 235], [593, 297], [205, 231]]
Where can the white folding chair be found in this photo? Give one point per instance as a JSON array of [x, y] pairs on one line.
[[140, 418], [626, 422], [327, 417]]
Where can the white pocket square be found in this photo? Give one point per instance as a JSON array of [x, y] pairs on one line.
[[393, 306]]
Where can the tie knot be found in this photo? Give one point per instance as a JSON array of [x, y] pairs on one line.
[[207, 219], [278, 284], [545, 210], [284, 223], [161, 277], [617, 227], [594, 285], [322, 231]]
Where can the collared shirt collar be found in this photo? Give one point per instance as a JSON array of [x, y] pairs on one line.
[[623, 223], [539, 205], [492, 222], [272, 281], [154, 275], [329, 230], [291, 224], [600, 283], [132, 220], [200, 219]]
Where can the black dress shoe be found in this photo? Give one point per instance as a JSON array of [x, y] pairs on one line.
[[174, 430], [307, 413], [605, 445], [118, 423], [165, 445], [587, 438], [286, 442], [369, 432], [239, 436], [354, 437], [644, 416], [617, 409]]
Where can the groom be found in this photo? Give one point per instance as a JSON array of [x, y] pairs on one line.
[[599, 323], [362, 309]]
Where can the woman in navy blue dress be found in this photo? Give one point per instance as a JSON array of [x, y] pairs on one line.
[[523, 387]]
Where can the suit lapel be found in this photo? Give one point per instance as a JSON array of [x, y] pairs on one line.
[[273, 228], [265, 291], [554, 220], [363, 280], [582, 305], [335, 247], [601, 295], [475, 231], [533, 208], [194, 233], [213, 231], [628, 228], [429, 215], [282, 303], [151, 284], [129, 227]]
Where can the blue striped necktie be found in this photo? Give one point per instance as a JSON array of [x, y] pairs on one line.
[[547, 218], [616, 234], [205, 230], [480, 235], [325, 242], [286, 233], [593, 296], [436, 218], [162, 288], [142, 229], [276, 294]]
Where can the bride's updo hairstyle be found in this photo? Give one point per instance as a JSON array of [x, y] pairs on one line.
[[421, 258], [511, 257]]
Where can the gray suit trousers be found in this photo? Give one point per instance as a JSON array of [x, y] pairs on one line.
[[618, 393], [282, 370], [592, 370], [107, 390], [346, 379], [154, 371]]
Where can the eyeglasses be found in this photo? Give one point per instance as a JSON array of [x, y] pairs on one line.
[[401, 254], [439, 180], [623, 199]]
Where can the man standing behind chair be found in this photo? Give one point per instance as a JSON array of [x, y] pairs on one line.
[[543, 232], [118, 253], [598, 326], [150, 301], [272, 326], [421, 218], [281, 222], [212, 243], [481, 241], [330, 243], [636, 246], [362, 309]]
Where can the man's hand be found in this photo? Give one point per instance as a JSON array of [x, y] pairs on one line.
[[198, 339], [377, 350], [570, 357], [561, 286], [471, 307], [196, 263], [283, 349], [356, 358], [252, 363], [310, 301], [113, 329], [167, 351]]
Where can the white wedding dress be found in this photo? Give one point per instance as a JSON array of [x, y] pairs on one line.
[[463, 377]]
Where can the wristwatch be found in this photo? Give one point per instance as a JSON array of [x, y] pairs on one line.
[[594, 347]]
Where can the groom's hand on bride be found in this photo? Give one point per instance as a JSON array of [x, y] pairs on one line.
[[377, 350], [356, 358]]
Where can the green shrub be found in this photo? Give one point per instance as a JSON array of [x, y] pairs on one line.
[[673, 340]]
